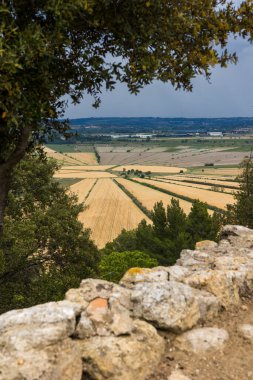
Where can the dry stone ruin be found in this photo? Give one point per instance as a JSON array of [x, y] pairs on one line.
[[113, 331]]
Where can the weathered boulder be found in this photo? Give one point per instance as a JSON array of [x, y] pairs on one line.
[[202, 339], [222, 284], [125, 357], [169, 305], [246, 331], [105, 308], [196, 260], [205, 245], [35, 343], [138, 275]]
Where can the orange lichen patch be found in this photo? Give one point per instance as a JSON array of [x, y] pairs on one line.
[[135, 271], [97, 304]]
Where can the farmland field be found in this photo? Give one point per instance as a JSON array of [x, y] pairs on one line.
[[148, 197], [109, 210], [88, 167], [82, 188], [84, 158], [62, 158], [82, 174], [211, 187], [213, 198], [153, 169]]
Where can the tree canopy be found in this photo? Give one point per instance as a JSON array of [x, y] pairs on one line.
[[172, 230], [241, 212], [44, 249], [51, 48]]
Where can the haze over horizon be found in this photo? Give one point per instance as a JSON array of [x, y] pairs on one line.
[[228, 95]]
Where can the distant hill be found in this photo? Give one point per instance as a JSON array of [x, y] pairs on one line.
[[156, 124]]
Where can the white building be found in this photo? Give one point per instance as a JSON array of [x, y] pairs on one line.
[[215, 134]]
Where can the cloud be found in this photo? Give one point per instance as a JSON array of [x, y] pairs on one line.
[[229, 94]]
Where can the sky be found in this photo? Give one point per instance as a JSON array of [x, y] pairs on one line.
[[230, 94]]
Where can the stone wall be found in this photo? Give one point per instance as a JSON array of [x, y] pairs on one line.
[[108, 331]]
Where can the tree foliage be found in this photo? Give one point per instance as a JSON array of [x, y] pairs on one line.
[[52, 48], [44, 250], [113, 266], [241, 212], [172, 230]]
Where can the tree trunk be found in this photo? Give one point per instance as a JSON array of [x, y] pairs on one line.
[[5, 178], [7, 168]]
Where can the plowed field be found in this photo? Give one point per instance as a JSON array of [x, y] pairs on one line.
[[109, 210]]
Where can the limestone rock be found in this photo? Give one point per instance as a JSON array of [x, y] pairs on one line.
[[35, 343], [195, 260], [93, 288], [178, 375], [129, 357], [209, 305], [39, 325], [105, 308], [178, 273], [222, 284], [171, 305], [206, 245], [246, 331], [136, 275], [203, 339], [235, 230]]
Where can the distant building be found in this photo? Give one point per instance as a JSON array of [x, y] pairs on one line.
[[215, 134]]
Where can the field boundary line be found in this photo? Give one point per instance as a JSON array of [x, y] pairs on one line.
[[134, 199]]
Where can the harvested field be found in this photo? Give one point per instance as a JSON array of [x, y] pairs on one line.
[[82, 188], [213, 198], [82, 174], [198, 180], [60, 157], [152, 169], [84, 158], [213, 187], [148, 197], [226, 172], [185, 158], [109, 210], [89, 167]]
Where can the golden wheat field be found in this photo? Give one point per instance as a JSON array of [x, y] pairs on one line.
[[148, 197], [89, 168], [213, 198], [200, 179], [82, 174], [152, 169], [64, 159], [82, 188], [226, 172], [108, 211], [84, 158], [199, 186]]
